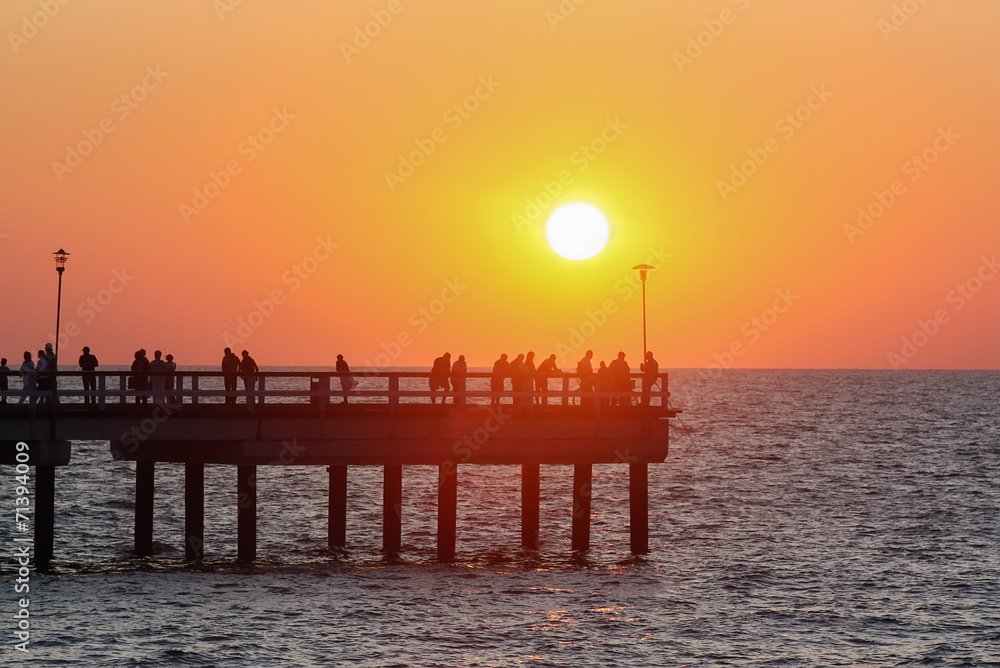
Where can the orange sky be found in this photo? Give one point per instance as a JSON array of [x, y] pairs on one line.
[[291, 124]]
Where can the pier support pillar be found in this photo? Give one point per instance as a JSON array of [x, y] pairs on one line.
[[447, 510], [194, 510], [582, 476], [638, 504], [45, 515], [392, 507], [246, 512], [337, 526], [144, 486], [529, 504]]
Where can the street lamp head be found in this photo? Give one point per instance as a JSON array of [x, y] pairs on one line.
[[61, 257], [643, 268]]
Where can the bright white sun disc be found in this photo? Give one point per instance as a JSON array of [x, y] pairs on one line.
[[577, 231]]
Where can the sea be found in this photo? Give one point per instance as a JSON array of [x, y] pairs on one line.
[[802, 518]]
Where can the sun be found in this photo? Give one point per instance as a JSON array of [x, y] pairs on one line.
[[577, 231]]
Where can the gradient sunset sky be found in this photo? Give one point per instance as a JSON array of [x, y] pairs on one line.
[[309, 178]]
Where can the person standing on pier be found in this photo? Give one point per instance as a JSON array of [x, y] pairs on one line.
[[51, 367], [603, 384], [43, 387], [650, 371], [518, 379], [585, 369], [29, 382], [621, 384], [545, 369], [230, 371], [158, 379], [140, 376], [501, 369], [4, 370], [88, 364], [170, 378], [249, 370], [438, 379], [458, 372], [347, 382], [529, 379]]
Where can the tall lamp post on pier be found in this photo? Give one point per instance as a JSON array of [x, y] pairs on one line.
[[61, 257], [643, 269]]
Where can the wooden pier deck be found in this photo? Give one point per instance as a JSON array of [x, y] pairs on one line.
[[295, 419]]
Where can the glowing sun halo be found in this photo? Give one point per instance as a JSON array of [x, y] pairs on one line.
[[577, 231]]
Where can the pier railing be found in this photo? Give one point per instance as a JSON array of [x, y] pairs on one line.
[[321, 389]]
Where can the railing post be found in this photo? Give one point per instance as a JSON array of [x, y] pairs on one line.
[[664, 391], [101, 388], [393, 392], [324, 391], [194, 389], [260, 389], [565, 391], [122, 388]]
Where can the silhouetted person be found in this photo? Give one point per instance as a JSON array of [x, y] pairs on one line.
[[44, 387], [88, 364], [458, 372], [51, 367], [347, 382], [438, 379], [501, 369], [529, 380], [230, 372], [518, 378], [603, 383], [157, 378], [171, 377], [4, 370], [546, 369], [585, 369], [140, 376], [29, 382], [621, 384], [650, 370], [249, 371]]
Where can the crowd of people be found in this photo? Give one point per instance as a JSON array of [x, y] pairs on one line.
[[529, 383]]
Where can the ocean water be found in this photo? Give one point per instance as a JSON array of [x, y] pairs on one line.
[[802, 518]]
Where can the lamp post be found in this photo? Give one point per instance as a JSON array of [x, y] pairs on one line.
[[643, 268], [61, 257]]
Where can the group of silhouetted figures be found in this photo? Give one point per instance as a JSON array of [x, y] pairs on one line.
[[155, 379], [530, 384]]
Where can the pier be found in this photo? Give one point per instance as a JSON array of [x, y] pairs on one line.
[[302, 419]]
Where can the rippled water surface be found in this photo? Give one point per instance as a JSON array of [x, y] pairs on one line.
[[803, 518]]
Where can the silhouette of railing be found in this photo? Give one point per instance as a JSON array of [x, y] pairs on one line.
[[323, 388]]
